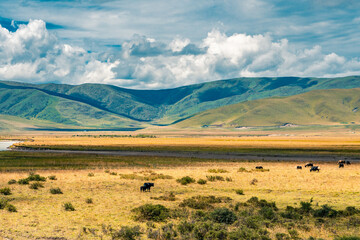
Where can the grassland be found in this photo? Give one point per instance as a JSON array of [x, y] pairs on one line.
[[114, 190], [262, 145]]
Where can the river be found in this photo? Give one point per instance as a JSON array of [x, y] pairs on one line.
[[4, 144]]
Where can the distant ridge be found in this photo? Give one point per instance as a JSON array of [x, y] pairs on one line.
[[106, 106]]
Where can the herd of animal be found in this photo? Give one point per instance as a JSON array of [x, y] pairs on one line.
[[147, 186]]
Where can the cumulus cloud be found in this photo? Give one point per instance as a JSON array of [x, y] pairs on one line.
[[32, 54]]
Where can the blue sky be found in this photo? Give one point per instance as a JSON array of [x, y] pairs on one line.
[[161, 44]]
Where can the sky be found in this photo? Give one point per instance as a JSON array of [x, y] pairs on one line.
[[158, 44]]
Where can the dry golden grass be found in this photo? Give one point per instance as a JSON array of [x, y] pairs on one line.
[[40, 214], [216, 142]]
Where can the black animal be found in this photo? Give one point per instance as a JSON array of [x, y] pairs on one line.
[[259, 167], [146, 187], [341, 162], [348, 163], [341, 165], [309, 165], [299, 167], [314, 168]]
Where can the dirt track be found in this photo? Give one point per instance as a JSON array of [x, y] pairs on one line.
[[208, 155]]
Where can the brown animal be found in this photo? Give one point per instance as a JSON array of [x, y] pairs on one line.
[[315, 168], [341, 165], [299, 167], [341, 161], [348, 163], [259, 167], [309, 165]]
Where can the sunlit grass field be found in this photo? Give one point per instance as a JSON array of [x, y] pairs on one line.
[[40, 214], [268, 144]]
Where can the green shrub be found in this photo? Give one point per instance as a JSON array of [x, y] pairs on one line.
[[219, 170], [150, 212], [229, 179], [3, 203], [113, 173], [223, 215], [91, 174], [248, 233], [68, 206], [267, 212], [127, 233], [166, 197], [348, 238], [23, 181], [185, 227], [12, 181], [55, 191], [11, 208], [201, 202], [36, 185], [242, 170], [36, 177], [5, 191], [282, 236], [305, 207], [349, 211], [201, 181], [325, 211], [89, 200], [201, 229], [53, 177], [215, 178], [185, 180], [294, 234], [239, 191], [291, 213], [262, 203]]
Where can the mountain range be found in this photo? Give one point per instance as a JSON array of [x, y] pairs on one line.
[[230, 103]]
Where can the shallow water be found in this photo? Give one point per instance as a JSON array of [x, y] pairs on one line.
[[5, 144]]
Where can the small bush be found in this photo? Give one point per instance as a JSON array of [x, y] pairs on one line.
[[5, 191], [91, 174], [3, 203], [348, 238], [11, 208], [55, 191], [150, 212], [23, 181], [228, 179], [36, 185], [107, 171], [267, 212], [89, 200], [223, 215], [239, 191], [242, 170], [167, 197], [185, 180], [305, 207], [113, 173], [215, 178], [202, 202], [254, 181], [127, 233], [201, 181], [325, 211], [12, 181], [36, 177], [68, 206], [282, 236], [53, 177], [219, 170]]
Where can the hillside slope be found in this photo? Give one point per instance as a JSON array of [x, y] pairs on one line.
[[101, 105], [318, 107]]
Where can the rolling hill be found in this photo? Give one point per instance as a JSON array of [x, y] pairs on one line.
[[318, 107], [106, 106]]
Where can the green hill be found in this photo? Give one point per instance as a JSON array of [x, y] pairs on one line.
[[106, 106], [318, 107]]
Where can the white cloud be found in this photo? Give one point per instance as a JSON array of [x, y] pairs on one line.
[[32, 54]]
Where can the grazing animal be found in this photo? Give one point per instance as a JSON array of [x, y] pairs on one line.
[[299, 167], [341, 165], [309, 165], [314, 168], [348, 163], [341, 161], [146, 187], [259, 167]]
